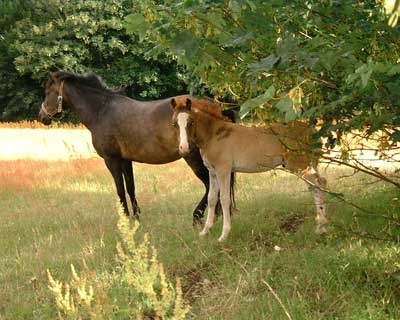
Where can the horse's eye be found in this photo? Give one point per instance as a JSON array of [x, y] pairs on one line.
[[174, 124], [190, 123]]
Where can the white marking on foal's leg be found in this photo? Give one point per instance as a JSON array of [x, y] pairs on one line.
[[182, 120], [225, 197], [321, 211], [212, 204], [316, 183]]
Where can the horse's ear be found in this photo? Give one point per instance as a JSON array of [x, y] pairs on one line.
[[54, 76], [188, 104], [173, 104]]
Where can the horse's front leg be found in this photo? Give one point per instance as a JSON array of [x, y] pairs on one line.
[[212, 203], [130, 185], [114, 165], [224, 179], [317, 185], [195, 162]]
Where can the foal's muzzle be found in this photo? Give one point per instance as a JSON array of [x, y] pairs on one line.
[[184, 149]]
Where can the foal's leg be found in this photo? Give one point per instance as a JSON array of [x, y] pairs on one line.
[[315, 184], [195, 162], [224, 181], [130, 185], [115, 167], [212, 203]]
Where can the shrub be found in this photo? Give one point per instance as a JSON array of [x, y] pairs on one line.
[[137, 289]]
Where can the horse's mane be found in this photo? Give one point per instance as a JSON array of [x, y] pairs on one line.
[[205, 105], [91, 80]]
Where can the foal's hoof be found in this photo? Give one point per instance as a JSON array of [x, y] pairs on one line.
[[321, 231], [203, 233], [222, 238]]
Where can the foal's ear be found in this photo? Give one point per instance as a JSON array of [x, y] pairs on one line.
[[173, 104], [54, 77], [188, 104]]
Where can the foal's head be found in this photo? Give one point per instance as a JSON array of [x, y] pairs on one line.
[[183, 121], [187, 112], [52, 106]]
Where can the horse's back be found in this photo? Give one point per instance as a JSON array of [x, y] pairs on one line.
[[137, 130]]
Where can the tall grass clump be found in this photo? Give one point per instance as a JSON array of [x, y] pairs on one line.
[[137, 289]]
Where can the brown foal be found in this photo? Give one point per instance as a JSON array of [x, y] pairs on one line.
[[228, 147]]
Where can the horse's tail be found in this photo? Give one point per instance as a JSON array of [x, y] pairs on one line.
[[229, 113]]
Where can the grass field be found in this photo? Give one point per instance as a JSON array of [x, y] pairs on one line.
[[59, 212]]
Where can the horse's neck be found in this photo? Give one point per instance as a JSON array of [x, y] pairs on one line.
[[86, 103], [205, 129]]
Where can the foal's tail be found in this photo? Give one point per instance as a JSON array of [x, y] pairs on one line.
[[229, 113], [233, 182]]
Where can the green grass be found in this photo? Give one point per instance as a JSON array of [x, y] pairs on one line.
[[57, 213]]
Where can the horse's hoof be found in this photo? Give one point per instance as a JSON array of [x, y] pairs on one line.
[[198, 223], [134, 217]]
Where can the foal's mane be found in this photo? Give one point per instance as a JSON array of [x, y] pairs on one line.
[[91, 80], [204, 105]]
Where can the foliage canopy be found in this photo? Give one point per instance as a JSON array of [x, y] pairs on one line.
[[39, 37], [330, 60]]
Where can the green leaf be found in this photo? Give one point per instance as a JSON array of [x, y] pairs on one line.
[[240, 40], [252, 5], [394, 70], [264, 65], [395, 136], [185, 43], [256, 102], [136, 24], [285, 105]]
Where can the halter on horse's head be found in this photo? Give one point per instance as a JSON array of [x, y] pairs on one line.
[[52, 106]]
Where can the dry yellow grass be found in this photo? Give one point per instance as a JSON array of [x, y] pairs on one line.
[[32, 140], [38, 125], [27, 175], [45, 144]]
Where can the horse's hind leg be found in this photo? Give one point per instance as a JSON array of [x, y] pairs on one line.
[[317, 185], [130, 185], [114, 165], [196, 164]]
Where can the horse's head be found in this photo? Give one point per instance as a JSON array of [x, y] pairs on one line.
[[182, 120], [52, 106]]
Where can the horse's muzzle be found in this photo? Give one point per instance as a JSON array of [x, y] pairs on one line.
[[43, 118]]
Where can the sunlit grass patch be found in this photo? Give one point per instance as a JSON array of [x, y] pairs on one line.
[[45, 144], [63, 212]]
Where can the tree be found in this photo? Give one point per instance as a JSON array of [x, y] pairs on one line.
[[16, 93], [79, 36], [331, 60]]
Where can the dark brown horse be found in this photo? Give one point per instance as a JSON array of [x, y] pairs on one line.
[[123, 130]]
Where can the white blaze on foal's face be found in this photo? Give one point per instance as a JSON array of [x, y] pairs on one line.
[[182, 120]]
